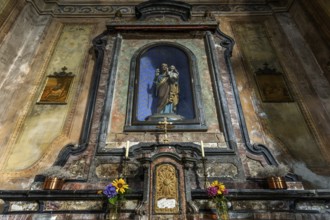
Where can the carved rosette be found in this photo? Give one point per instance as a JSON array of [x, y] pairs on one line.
[[167, 192]]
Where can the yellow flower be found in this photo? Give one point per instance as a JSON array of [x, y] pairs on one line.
[[120, 185], [221, 187], [215, 183]]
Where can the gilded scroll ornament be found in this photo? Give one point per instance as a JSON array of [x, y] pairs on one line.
[[166, 198]]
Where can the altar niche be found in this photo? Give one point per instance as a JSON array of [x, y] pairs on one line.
[[165, 84]]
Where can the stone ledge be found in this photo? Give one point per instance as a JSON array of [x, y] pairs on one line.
[[244, 201]]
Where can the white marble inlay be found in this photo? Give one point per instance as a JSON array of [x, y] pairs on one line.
[[166, 203]]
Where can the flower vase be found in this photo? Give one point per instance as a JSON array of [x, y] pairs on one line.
[[223, 216], [113, 216], [114, 212], [222, 210]]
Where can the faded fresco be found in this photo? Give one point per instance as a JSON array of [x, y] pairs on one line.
[[51, 121], [279, 114]]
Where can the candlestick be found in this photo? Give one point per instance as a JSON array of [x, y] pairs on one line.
[[127, 149], [202, 148]]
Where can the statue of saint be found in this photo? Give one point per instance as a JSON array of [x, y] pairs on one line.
[[167, 89]]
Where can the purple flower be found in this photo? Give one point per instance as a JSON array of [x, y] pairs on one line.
[[212, 191], [110, 191]]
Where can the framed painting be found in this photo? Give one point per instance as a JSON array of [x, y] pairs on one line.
[[272, 86], [57, 88]]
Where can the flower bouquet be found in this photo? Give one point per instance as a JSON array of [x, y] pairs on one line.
[[217, 192], [115, 193]]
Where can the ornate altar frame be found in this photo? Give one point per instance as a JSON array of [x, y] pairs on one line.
[[212, 34], [195, 123], [209, 28]]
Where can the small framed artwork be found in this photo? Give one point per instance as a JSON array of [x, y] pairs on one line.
[[57, 88], [272, 86]]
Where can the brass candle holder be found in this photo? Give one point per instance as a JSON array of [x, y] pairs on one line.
[[125, 167], [205, 173]]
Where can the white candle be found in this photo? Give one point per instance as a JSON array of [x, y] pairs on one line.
[[127, 149], [202, 148]]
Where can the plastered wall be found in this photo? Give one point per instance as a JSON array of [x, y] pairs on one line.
[[293, 130], [32, 133]]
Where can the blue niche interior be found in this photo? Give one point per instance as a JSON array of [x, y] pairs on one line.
[[149, 61]]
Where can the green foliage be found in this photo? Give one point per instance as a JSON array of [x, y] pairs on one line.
[[113, 200]]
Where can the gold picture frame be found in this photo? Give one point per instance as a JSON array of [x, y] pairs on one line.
[[57, 87]]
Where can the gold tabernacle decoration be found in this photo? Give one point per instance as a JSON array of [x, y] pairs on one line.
[[167, 195], [165, 125]]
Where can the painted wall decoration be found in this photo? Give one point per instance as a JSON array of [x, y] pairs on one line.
[[271, 85], [280, 115], [57, 88], [69, 48]]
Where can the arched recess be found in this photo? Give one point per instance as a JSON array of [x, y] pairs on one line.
[[142, 99]]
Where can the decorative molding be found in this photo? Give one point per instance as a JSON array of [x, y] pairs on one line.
[[233, 8], [168, 8], [92, 10], [130, 9], [221, 102], [196, 123]]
